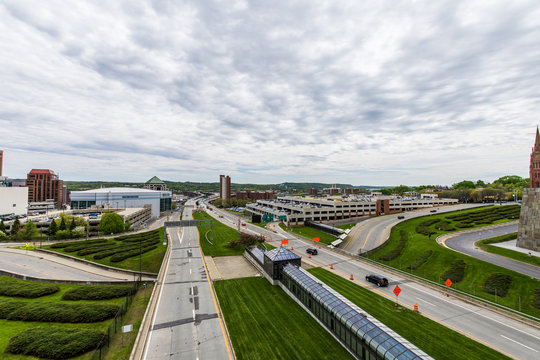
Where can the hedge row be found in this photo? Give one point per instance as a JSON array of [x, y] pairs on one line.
[[97, 292], [83, 245], [25, 289], [130, 253], [96, 249], [463, 225], [419, 261], [154, 236], [444, 226], [54, 343], [393, 254], [70, 243], [456, 272], [56, 312], [135, 237], [123, 248], [497, 283]]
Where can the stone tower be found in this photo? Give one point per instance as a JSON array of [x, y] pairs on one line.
[[529, 218]]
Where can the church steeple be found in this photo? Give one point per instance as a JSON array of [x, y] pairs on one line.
[[534, 169]]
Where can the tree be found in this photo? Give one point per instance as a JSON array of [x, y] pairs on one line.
[[78, 232], [3, 236], [2, 226], [29, 231], [111, 223], [63, 225], [15, 227], [52, 228], [480, 184], [72, 225], [465, 184], [401, 189]]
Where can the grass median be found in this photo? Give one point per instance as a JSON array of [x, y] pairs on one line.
[[265, 323], [435, 339], [410, 239], [310, 233]]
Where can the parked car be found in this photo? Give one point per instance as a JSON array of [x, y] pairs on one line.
[[312, 251], [379, 280]]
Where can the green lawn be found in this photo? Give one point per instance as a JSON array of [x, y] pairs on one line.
[[9, 328], [310, 233], [346, 226], [150, 261], [222, 235], [435, 339], [516, 255], [476, 271], [265, 323]]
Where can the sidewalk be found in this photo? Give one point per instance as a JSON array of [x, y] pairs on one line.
[[512, 245]]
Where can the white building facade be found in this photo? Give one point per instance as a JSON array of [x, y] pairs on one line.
[[13, 201], [121, 198]]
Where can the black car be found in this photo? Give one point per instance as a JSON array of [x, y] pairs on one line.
[[401, 217], [311, 251], [377, 279], [434, 210]]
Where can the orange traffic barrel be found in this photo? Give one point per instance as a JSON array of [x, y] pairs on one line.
[[351, 278], [415, 307], [309, 255], [331, 266]]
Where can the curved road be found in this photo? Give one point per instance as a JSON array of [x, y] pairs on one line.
[[464, 243]]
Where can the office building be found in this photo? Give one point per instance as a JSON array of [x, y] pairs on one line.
[[43, 185], [225, 187], [156, 184], [13, 201], [255, 195], [1, 161]]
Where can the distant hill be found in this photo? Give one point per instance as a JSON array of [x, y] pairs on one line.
[[213, 186]]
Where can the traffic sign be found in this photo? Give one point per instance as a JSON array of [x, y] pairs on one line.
[[397, 290], [316, 239], [448, 282]]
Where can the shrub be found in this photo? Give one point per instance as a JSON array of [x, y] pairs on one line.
[[444, 226], [111, 223], [97, 292], [70, 243], [419, 261], [54, 343], [56, 312], [394, 253], [463, 225], [536, 298], [3, 236], [497, 282], [119, 256], [25, 288], [78, 232], [456, 272], [62, 234]]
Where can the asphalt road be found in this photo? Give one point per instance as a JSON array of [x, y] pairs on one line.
[[504, 334], [185, 324], [44, 266], [464, 243], [369, 234]]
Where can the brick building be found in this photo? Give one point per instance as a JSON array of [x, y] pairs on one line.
[[225, 187], [255, 195], [534, 169], [43, 185]]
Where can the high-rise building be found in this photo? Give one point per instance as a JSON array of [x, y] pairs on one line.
[[534, 170], [43, 185], [225, 187], [1, 161]]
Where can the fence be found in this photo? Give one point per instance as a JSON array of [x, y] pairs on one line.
[[115, 326]]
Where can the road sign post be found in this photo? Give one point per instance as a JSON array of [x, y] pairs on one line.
[[448, 283], [397, 290]]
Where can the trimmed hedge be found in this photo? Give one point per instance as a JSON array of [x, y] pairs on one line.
[[423, 227], [26, 289], [54, 343], [444, 226], [497, 281], [419, 261], [56, 312], [97, 292], [394, 253], [463, 225], [456, 272], [70, 243]]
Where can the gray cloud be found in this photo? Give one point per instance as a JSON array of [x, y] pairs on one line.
[[367, 93]]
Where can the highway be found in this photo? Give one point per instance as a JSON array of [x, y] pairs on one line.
[[464, 243], [505, 334], [371, 233], [185, 323]]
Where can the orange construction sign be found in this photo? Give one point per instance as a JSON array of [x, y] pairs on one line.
[[448, 282], [397, 290], [316, 239], [284, 242]]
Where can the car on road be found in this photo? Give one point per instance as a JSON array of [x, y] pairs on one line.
[[312, 251], [434, 210], [379, 280], [401, 217]]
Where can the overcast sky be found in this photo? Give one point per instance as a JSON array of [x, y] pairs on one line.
[[360, 92]]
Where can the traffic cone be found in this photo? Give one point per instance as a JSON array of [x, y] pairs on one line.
[[351, 278], [319, 246], [331, 266], [415, 307], [292, 247]]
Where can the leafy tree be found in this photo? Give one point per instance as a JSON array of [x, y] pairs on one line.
[[386, 191], [3, 236], [29, 231], [63, 234], [63, 225], [72, 225], [401, 189], [111, 223], [465, 184], [127, 225], [52, 228], [78, 232], [15, 227], [218, 203], [509, 180], [2, 226], [480, 184]]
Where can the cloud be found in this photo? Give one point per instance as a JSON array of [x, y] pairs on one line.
[[378, 93]]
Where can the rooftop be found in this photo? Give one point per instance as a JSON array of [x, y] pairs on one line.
[[155, 180], [118, 190]]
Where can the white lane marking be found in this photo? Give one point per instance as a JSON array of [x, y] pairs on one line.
[[426, 301], [477, 313], [190, 271], [193, 314], [157, 306], [530, 348]]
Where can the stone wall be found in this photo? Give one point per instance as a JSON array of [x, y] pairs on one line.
[[529, 220]]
